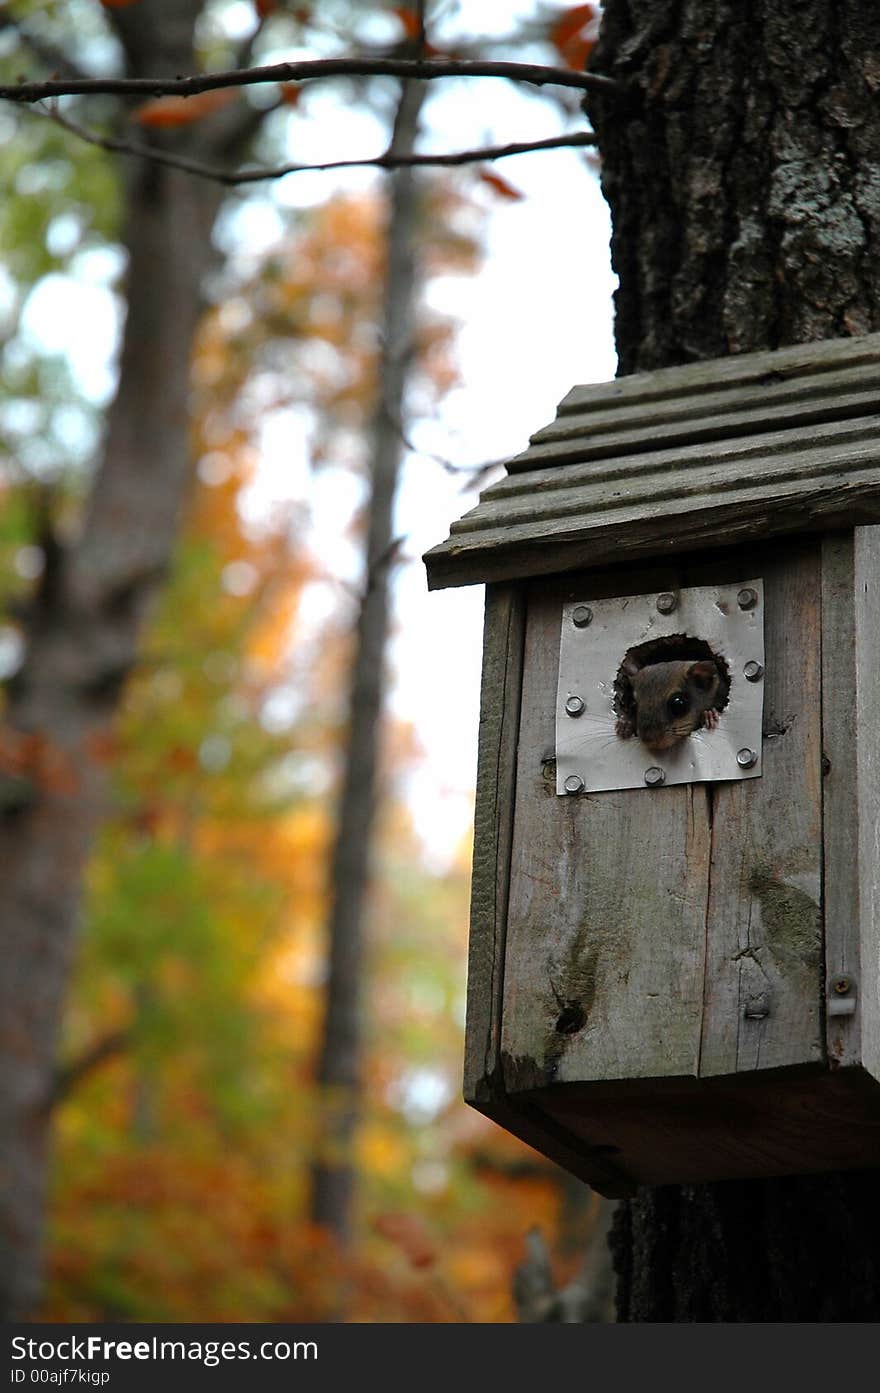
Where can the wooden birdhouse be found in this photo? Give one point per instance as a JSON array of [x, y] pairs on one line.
[[674, 968]]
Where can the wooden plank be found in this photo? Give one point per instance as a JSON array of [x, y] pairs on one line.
[[493, 821], [604, 960], [644, 531], [642, 439], [866, 591], [764, 950], [839, 789], [740, 369], [834, 394], [742, 455], [805, 470]]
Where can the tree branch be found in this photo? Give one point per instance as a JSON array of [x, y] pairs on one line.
[[306, 70], [252, 176], [104, 1049]]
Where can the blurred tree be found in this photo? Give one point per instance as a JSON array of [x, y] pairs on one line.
[[81, 624], [101, 556]]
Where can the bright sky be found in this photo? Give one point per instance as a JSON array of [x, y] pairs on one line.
[[535, 320]]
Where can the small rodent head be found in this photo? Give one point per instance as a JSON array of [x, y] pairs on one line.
[[671, 699]]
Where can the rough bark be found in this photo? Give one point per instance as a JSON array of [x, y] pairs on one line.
[[338, 1073], [81, 637], [741, 166]]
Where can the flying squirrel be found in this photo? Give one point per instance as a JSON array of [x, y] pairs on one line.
[[671, 700]]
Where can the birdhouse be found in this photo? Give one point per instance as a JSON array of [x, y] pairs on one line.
[[674, 969]]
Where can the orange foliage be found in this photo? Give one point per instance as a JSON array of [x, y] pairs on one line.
[[168, 112], [500, 186], [573, 35]]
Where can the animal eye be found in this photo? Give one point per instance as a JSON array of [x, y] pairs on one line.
[[677, 704]]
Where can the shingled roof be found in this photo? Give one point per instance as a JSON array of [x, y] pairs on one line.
[[715, 453]]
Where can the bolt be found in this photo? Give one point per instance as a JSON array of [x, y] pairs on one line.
[[581, 616], [574, 706], [667, 602], [654, 776], [753, 672], [747, 598], [842, 986], [746, 758], [574, 784]]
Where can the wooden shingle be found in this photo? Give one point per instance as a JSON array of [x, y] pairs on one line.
[[716, 453]]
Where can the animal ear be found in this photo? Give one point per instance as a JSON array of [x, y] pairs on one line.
[[703, 674], [630, 666]]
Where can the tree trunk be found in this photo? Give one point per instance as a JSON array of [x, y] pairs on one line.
[[338, 1074], [741, 163], [81, 639]]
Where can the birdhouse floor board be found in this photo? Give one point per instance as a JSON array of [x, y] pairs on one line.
[[682, 1131]]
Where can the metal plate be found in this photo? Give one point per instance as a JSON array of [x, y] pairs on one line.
[[590, 755]]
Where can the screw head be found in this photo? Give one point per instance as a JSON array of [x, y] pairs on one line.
[[574, 706], [757, 1008], [581, 616], [574, 784], [654, 776], [746, 758], [667, 602], [753, 671], [841, 986], [747, 598]]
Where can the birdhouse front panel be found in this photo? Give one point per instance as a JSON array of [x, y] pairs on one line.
[[674, 968], [670, 930]]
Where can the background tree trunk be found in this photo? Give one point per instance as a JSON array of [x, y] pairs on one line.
[[741, 168], [81, 636], [338, 1074]]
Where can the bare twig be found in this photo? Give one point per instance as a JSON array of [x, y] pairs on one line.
[[425, 69], [253, 176]]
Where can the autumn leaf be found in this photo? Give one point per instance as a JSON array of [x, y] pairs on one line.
[[500, 186], [167, 112], [409, 20], [572, 35], [290, 93]]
